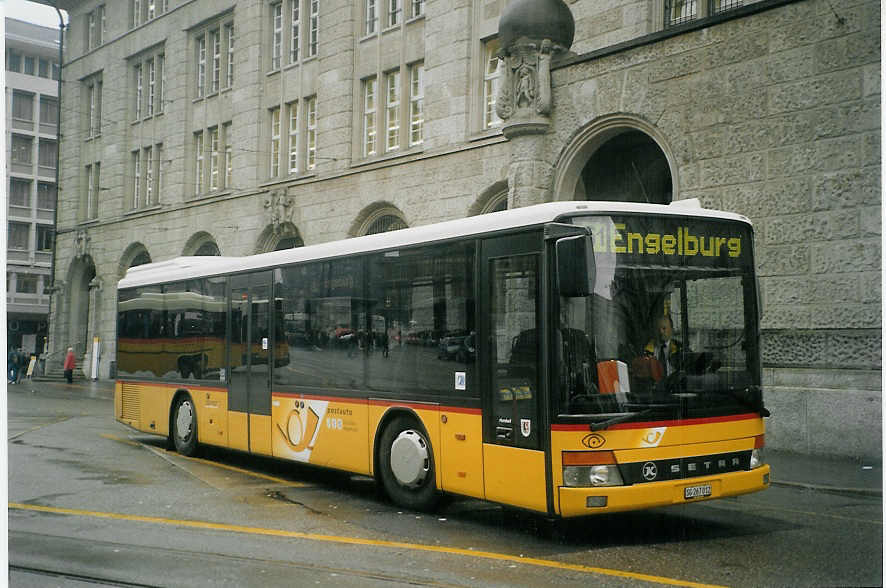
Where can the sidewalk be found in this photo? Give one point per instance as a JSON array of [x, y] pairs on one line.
[[824, 474]]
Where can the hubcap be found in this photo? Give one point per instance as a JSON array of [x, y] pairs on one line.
[[410, 462], [183, 420]]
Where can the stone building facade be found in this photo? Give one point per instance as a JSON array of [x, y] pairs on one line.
[[206, 127]]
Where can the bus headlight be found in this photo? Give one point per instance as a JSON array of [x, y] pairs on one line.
[[598, 475], [757, 454]]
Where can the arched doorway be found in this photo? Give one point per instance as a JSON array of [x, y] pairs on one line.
[[620, 158], [81, 275]]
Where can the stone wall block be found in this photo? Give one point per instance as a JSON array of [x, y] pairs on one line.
[[836, 349], [807, 290], [842, 257], [784, 260], [764, 200], [789, 66], [786, 429], [846, 189], [871, 288], [852, 410], [822, 316], [847, 52], [811, 228], [827, 89]]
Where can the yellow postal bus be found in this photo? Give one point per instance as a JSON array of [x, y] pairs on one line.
[[570, 358]]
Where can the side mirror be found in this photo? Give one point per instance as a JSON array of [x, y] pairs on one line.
[[575, 266]]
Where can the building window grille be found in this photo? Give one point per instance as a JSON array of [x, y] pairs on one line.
[[677, 12], [45, 196], [48, 156], [392, 110], [48, 111], [14, 61], [369, 148], [416, 104], [19, 192], [275, 142], [277, 27], [45, 237], [386, 223], [43, 68], [20, 150], [718, 6], [311, 131], [19, 235], [491, 81], [29, 65], [23, 106]]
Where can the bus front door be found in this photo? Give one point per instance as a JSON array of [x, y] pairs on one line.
[[513, 455], [249, 398]]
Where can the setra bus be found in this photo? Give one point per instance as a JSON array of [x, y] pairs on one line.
[[513, 357]]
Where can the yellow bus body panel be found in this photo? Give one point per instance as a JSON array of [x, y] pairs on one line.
[[515, 476], [461, 450], [670, 440], [238, 430], [212, 416], [325, 432], [260, 434]]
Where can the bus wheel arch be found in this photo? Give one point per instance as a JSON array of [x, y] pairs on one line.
[[404, 461], [183, 424]]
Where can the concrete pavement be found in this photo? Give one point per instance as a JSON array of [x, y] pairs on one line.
[[819, 473]]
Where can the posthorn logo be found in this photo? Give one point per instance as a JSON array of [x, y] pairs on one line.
[[593, 441], [650, 471]]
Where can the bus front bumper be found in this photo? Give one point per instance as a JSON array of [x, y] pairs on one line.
[[589, 501]]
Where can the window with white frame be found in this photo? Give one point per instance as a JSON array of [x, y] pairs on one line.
[[137, 17], [45, 237], [136, 179], [275, 143], [229, 155], [395, 9], [369, 130], [315, 27], [151, 72], [392, 110], [201, 66], [95, 27], [142, 11], [418, 8], [229, 36], [161, 176], [311, 132], [161, 81], [677, 12], [277, 34], [93, 106], [371, 17], [149, 165], [491, 81], [416, 104], [198, 163], [293, 137], [93, 178], [137, 74], [215, 38], [213, 159], [294, 30]]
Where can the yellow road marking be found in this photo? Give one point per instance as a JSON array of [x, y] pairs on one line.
[[545, 563], [164, 452]]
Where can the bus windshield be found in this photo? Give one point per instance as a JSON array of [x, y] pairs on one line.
[[670, 331]]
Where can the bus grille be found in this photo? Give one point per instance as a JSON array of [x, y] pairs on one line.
[[130, 409]]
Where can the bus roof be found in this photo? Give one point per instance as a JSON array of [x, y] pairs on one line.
[[182, 268]]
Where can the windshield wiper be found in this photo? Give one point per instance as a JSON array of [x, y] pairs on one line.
[[751, 397], [600, 425]]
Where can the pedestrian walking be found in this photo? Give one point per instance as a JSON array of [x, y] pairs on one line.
[[12, 366], [69, 366], [22, 364]]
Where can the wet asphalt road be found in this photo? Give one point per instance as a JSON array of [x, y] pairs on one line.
[[91, 502]]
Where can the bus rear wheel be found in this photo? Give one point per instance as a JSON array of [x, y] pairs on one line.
[[184, 426], [406, 465]]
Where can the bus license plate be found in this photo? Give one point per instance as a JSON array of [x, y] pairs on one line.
[[696, 491]]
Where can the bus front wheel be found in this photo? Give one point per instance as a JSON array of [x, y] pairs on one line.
[[406, 464], [184, 426]]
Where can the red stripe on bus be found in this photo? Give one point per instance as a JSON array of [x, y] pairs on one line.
[[376, 402], [672, 423]]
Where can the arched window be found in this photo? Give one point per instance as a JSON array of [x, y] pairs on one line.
[[209, 248], [385, 223]]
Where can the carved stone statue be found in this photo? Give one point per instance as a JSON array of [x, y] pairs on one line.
[[279, 207]]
